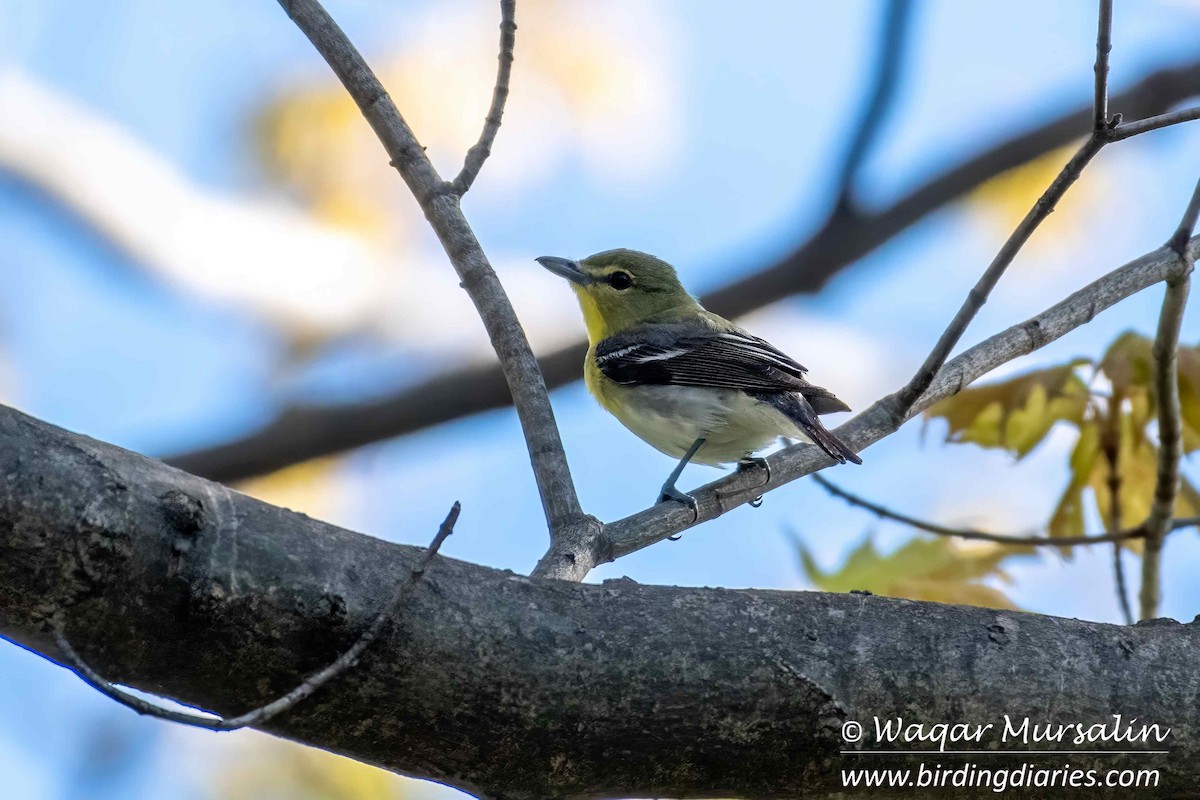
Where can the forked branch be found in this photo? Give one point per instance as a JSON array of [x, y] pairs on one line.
[[439, 200], [491, 124]]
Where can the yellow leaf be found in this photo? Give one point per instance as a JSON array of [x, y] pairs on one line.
[[1137, 471], [938, 570], [1067, 519], [286, 771], [1129, 364], [308, 487], [1189, 396], [1015, 414]]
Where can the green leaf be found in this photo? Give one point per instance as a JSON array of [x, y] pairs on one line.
[[1016, 414], [937, 570]]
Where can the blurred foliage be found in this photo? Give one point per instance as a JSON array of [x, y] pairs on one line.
[[1003, 201], [1114, 452], [1018, 413], [309, 487], [1111, 405], [937, 570], [286, 771], [584, 83]]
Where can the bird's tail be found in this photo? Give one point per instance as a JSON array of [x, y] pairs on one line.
[[797, 408], [834, 447]]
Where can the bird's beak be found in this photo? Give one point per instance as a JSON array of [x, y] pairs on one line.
[[566, 268]]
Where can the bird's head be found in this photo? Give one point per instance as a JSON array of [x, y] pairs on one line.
[[618, 289]]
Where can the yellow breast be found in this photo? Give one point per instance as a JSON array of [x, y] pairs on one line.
[[603, 389]]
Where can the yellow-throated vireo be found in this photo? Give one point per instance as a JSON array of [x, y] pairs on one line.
[[687, 381]]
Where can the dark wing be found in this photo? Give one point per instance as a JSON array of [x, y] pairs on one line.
[[726, 360]]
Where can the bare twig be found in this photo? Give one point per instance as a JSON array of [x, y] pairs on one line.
[[288, 701], [1103, 49], [1111, 445], [893, 45], [979, 294], [1170, 418], [1120, 585], [440, 204], [661, 521], [1130, 129], [491, 124], [1179, 239], [1041, 209], [984, 536], [1102, 133], [304, 432]]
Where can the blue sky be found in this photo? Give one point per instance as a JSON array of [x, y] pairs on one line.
[[92, 342]]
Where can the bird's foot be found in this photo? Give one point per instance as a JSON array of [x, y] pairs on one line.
[[669, 492], [755, 461], [756, 502]]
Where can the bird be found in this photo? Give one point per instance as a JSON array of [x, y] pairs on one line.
[[687, 381]]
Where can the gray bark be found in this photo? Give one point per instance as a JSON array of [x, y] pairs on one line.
[[515, 687]]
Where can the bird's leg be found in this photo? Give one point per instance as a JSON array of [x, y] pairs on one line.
[[754, 461], [669, 492]]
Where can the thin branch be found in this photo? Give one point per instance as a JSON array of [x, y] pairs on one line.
[[1130, 129], [480, 151], [893, 45], [877, 422], [983, 536], [440, 204], [1101, 135], [979, 294], [288, 701], [1111, 443], [1179, 239], [303, 432], [1103, 49], [1120, 585], [1170, 415]]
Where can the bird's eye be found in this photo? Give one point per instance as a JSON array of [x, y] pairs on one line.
[[620, 280]]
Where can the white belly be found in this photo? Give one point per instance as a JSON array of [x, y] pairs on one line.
[[672, 418]]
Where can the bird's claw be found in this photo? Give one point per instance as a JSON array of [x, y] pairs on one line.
[[756, 502], [755, 461], [669, 492]]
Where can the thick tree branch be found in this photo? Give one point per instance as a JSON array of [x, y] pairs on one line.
[[305, 432], [491, 124], [512, 687], [440, 204], [1170, 415], [655, 524], [287, 702], [972, 534]]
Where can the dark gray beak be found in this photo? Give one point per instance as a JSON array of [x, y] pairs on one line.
[[565, 268]]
